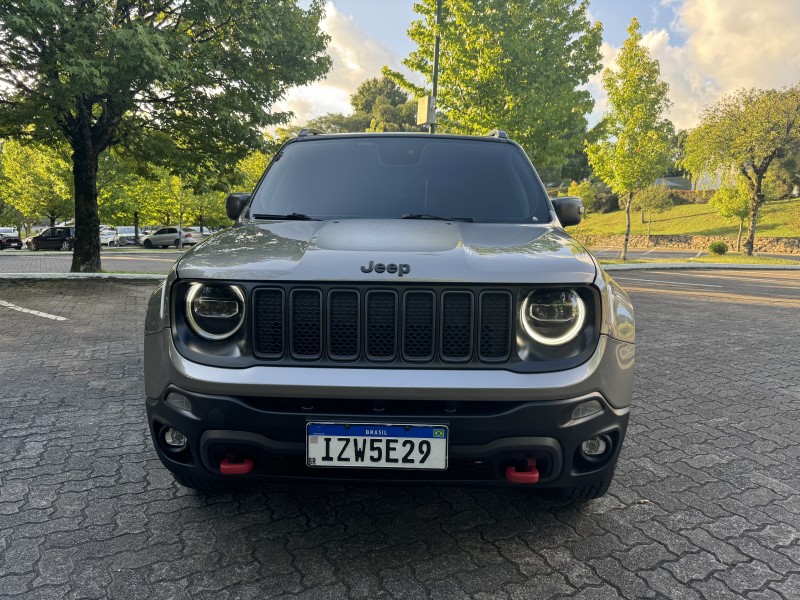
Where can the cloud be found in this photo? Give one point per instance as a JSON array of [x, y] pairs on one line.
[[727, 45], [740, 43], [356, 57]]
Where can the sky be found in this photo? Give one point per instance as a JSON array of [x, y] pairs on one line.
[[706, 49]]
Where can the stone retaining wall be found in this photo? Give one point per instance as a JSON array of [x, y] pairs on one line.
[[776, 245]]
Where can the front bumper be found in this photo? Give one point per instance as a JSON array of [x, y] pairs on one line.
[[496, 418]]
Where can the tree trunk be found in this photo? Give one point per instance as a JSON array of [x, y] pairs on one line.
[[642, 211], [52, 218], [751, 229], [649, 227], [624, 255], [755, 203], [86, 257], [739, 238], [201, 223], [136, 228]]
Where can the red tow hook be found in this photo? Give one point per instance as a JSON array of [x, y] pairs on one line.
[[229, 467], [530, 475]]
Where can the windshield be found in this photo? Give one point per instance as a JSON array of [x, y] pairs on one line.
[[392, 177], [122, 230]]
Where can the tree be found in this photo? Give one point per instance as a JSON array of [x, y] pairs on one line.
[[378, 105], [36, 181], [364, 98], [746, 132], [516, 65], [636, 149], [586, 192], [653, 199], [188, 84], [732, 200]]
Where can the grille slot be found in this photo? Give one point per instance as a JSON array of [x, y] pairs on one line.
[[419, 317], [381, 325], [457, 326], [343, 324], [388, 326], [495, 326], [306, 320], [269, 327]]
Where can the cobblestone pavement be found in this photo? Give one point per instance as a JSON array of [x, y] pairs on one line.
[[119, 261], [705, 504]]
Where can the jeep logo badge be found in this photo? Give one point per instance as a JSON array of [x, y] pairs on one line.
[[401, 269]]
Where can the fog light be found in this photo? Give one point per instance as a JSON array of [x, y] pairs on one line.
[[595, 446], [586, 409], [174, 438], [179, 401]]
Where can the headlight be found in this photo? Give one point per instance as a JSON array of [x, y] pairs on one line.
[[214, 311], [553, 317]]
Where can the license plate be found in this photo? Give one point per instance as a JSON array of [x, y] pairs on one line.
[[376, 446]]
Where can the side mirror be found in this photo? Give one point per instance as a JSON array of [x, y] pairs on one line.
[[235, 205], [569, 210]]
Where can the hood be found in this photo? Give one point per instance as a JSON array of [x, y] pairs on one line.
[[429, 251]]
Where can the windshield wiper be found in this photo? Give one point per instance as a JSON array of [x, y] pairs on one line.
[[437, 218], [290, 217]]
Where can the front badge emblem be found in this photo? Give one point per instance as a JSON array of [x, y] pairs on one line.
[[401, 269]]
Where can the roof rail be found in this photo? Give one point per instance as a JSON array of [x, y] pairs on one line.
[[305, 132], [498, 133]]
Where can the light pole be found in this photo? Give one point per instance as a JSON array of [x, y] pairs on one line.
[[436, 63]]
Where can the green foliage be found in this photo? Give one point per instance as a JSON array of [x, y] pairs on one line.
[[732, 199], [746, 132], [36, 181], [654, 198], [378, 105], [718, 247], [251, 168], [516, 65], [636, 149], [586, 192], [364, 98], [186, 84]]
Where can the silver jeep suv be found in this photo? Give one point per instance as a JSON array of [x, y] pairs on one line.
[[392, 307]]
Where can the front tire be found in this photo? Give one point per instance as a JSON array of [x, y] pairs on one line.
[[147, 244], [34, 246], [177, 243]]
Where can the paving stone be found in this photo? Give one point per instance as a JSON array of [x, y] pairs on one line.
[[705, 503]]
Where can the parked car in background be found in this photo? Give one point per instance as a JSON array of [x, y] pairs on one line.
[[9, 238], [168, 236], [107, 237], [53, 238], [126, 236], [200, 235]]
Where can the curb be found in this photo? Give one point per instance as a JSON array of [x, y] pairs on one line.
[[82, 276], [682, 265]]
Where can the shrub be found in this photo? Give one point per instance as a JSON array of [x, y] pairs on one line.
[[718, 247], [654, 198], [587, 193]]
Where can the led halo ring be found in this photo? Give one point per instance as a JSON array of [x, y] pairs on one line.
[[214, 337], [562, 339]]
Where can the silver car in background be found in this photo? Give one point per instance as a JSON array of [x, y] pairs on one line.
[[169, 236]]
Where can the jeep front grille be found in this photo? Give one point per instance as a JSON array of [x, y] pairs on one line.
[[382, 325]]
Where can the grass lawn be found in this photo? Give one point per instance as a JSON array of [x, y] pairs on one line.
[[779, 218]]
